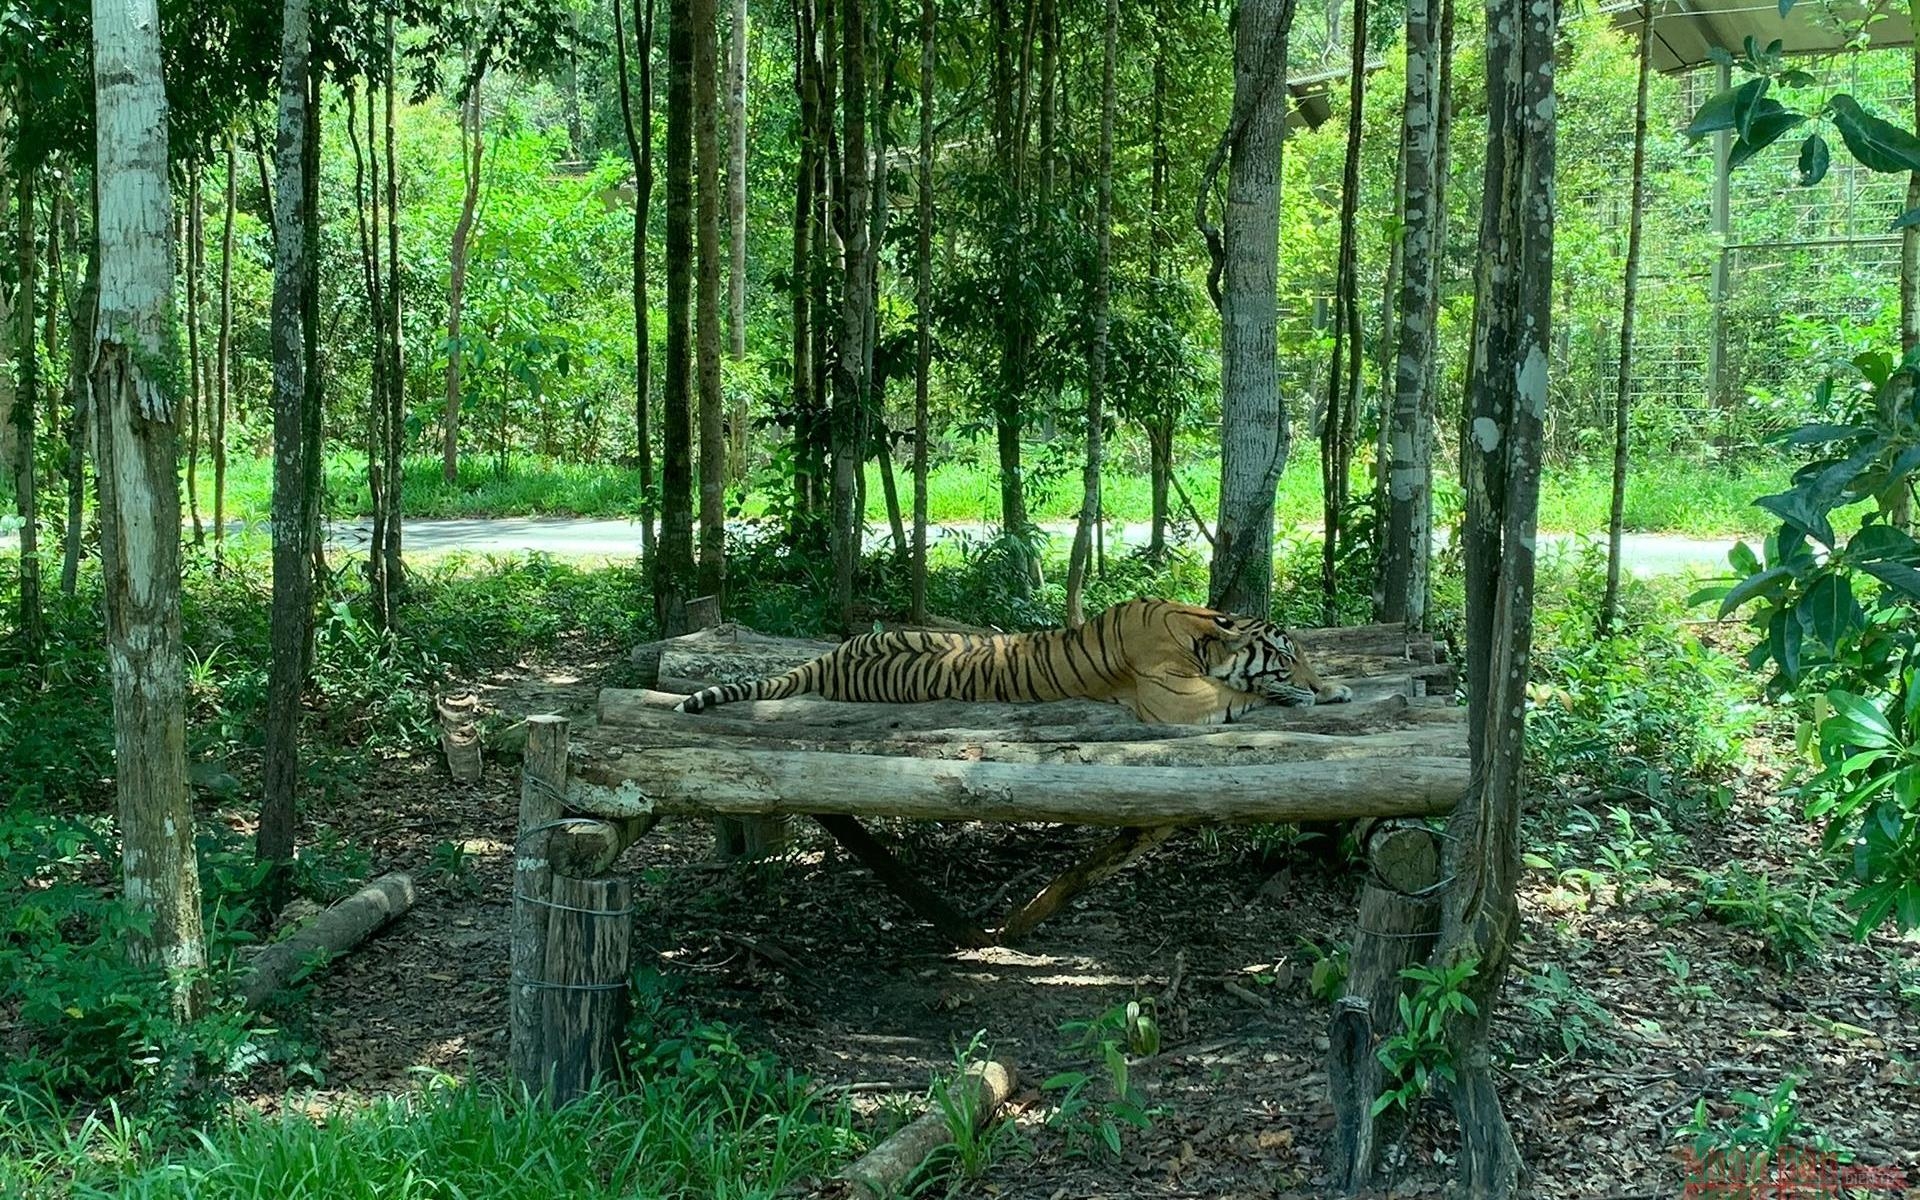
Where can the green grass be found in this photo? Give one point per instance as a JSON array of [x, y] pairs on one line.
[[1668, 495]]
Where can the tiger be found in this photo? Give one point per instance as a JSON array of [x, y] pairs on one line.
[[1168, 663]]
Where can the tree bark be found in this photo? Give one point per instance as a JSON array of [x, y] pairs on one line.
[[849, 377], [26, 398], [395, 423], [80, 421], [640, 153], [1623, 385], [1901, 515], [1408, 546], [710, 168], [1245, 252], [332, 933], [292, 604], [472, 147], [196, 365], [223, 359], [674, 578], [367, 225], [737, 230], [1159, 425], [1082, 554], [1343, 377], [1010, 149], [137, 451], [1500, 459], [976, 1096], [803, 262], [923, 315]]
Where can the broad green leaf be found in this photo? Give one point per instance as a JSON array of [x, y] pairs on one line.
[[1898, 576], [1829, 612], [1743, 559], [1876, 542], [1795, 79], [1860, 722], [1754, 585], [1768, 123], [1747, 103], [1783, 637], [1713, 116], [1819, 434], [1878, 145], [1792, 508], [1815, 158]]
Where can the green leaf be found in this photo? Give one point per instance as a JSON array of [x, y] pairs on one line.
[[1768, 123], [1783, 641], [1859, 722], [1754, 585], [1905, 220], [1815, 158], [1819, 434], [1876, 542], [1898, 576], [1829, 612], [1713, 116], [1746, 104], [1878, 145], [1792, 507], [1743, 559]]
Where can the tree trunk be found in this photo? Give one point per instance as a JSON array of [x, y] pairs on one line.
[[223, 359], [1343, 378], [1159, 425], [196, 365], [140, 497], [367, 225], [707, 199], [1901, 515], [802, 281], [472, 145], [7, 381], [33, 633], [79, 421], [1010, 141], [674, 577], [292, 603], [737, 230], [640, 153], [1097, 352], [1245, 253], [395, 424], [849, 378], [1408, 546], [923, 316], [883, 451], [314, 431], [1500, 459], [1623, 385]]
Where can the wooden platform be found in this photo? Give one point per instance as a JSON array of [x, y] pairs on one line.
[[1399, 749]]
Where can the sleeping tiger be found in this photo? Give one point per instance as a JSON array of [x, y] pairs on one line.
[[1171, 664]]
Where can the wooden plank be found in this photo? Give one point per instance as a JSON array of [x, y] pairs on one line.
[[707, 781]]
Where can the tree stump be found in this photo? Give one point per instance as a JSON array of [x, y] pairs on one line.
[[543, 785], [584, 985], [1399, 916]]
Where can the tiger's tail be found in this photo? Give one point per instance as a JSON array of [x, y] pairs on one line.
[[804, 678]]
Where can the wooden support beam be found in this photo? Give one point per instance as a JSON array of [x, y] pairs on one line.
[[1106, 860], [543, 784], [949, 921], [335, 931], [705, 782], [583, 849], [583, 990]]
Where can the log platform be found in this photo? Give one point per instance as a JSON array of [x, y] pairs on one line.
[[1398, 750]]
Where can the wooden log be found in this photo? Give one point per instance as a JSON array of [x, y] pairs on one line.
[[339, 929], [583, 849], [1388, 640], [1106, 860], [703, 612], [704, 782], [1399, 916], [950, 922], [1227, 748], [1063, 721], [584, 991], [543, 785], [459, 738], [883, 1172], [725, 653]]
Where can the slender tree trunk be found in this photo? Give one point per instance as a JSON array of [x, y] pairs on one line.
[[1343, 378], [8, 390], [1245, 253], [1623, 386], [1097, 352], [196, 363], [640, 153], [292, 579], [472, 146], [1159, 425], [923, 317], [395, 425], [367, 225], [707, 199], [675, 575], [1408, 546], [314, 502], [140, 498], [1500, 460], [1010, 138], [826, 264], [849, 381], [25, 401], [223, 356], [803, 261], [79, 421], [1901, 515], [737, 229]]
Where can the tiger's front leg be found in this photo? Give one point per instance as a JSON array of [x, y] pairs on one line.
[[1185, 700]]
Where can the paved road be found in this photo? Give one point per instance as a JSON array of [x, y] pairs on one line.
[[569, 537]]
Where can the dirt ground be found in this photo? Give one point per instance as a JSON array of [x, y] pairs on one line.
[[812, 959]]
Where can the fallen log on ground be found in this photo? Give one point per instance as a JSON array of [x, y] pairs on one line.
[[702, 781], [886, 1169], [333, 932]]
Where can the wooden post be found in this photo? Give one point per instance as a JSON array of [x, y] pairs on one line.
[[584, 986], [1399, 916], [543, 784]]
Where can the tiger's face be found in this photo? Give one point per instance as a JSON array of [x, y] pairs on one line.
[[1258, 657]]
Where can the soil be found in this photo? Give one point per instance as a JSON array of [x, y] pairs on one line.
[[808, 957]]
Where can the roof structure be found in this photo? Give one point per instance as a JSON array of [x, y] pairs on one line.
[[1685, 31]]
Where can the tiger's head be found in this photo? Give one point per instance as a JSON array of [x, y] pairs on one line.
[[1251, 655]]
